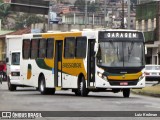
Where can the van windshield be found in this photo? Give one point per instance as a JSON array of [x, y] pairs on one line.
[[16, 58]]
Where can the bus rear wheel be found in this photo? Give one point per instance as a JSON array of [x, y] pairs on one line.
[[82, 86], [42, 87], [126, 92]]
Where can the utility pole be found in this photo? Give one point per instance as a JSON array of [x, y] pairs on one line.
[[85, 13], [49, 15], [122, 20], [129, 15], [105, 13]]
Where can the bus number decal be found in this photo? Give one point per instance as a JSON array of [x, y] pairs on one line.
[[72, 65]]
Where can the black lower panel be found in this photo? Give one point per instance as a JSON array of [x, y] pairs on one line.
[[120, 83]]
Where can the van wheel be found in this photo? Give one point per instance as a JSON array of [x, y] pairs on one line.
[[11, 87], [77, 92], [83, 90], [42, 87], [126, 92]]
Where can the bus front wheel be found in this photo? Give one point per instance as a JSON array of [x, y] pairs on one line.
[[126, 92], [83, 90]]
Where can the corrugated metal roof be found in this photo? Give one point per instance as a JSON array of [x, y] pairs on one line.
[[18, 32]]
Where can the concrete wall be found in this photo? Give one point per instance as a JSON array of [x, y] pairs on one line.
[[61, 27]]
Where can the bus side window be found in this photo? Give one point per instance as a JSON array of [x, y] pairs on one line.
[[69, 51], [42, 48], [50, 48], [26, 49], [34, 48], [81, 43]]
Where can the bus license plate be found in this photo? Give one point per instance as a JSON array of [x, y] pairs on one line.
[[124, 83]]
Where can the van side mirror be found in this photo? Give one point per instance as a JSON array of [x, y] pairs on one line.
[[7, 60]]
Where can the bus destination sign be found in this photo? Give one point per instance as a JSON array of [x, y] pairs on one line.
[[120, 35]]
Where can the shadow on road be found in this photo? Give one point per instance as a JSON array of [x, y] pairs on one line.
[[71, 95], [30, 91]]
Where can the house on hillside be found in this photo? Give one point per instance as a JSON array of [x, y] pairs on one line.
[[2, 40]]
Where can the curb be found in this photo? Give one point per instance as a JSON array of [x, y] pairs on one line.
[[145, 93]]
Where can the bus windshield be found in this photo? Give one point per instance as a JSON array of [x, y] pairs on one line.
[[120, 54], [16, 58]]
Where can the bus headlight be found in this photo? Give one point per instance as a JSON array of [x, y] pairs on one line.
[[99, 74], [141, 77], [102, 76]]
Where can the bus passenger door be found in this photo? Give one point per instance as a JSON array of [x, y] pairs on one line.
[[91, 63], [58, 63]]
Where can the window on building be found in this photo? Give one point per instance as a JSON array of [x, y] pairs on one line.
[[42, 48], [26, 49], [146, 25], [34, 48], [81, 43], [50, 47], [69, 47], [140, 25]]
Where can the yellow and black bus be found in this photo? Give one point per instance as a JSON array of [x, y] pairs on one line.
[[84, 61]]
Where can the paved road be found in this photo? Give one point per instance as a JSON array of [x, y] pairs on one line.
[[28, 99]]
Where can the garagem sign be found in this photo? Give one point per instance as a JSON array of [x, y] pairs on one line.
[[120, 35]]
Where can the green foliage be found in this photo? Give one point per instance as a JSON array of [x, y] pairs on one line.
[[27, 19], [21, 20], [4, 13], [80, 4], [91, 6], [146, 11]]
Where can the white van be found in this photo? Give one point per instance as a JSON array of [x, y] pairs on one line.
[[13, 54]]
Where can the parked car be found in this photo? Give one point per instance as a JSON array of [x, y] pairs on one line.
[[152, 72]]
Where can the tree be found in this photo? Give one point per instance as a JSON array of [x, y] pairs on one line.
[[5, 13], [91, 6], [80, 4], [27, 19]]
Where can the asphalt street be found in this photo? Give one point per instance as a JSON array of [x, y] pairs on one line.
[[28, 99]]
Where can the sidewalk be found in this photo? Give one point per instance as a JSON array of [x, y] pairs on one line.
[[149, 90]]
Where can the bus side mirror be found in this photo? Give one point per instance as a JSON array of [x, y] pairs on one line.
[[95, 47], [7, 60]]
